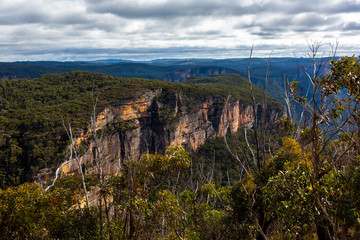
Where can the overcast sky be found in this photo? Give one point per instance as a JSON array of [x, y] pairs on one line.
[[149, 29]]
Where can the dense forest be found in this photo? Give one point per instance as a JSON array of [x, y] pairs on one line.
[[32, 112], [160, 69], [291, 179]]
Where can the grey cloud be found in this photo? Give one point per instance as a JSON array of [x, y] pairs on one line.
[[312, 20], [69, 18], [342, 7], [266, 34], [24, 17], [172, 23], [313, 6], [166, 10], [209, 33], [273, 27], [351, 26], [174, 9], [139, 53], [85, 53], [21, 18]]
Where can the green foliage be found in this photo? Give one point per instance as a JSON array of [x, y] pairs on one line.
[[118, 125], [292, 195], [287, 126], [73, 183], [28, 213], [138, 191], [229, 84], [317, 184], [288, 193], [214, 157], [167, 116], [31, 112], [345, 74], [344, 77], [298, 192]]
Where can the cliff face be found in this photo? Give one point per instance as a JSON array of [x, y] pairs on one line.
[[157, 119], [182, 75]]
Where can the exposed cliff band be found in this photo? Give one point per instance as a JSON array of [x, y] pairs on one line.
[[204, 71], [156, 119]]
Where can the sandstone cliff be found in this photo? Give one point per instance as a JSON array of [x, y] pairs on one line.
[[156, 119]]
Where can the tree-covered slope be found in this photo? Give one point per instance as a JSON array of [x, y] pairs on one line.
[[273, 181], [32, 135], [32, 112], [280, 69], [123, 69]]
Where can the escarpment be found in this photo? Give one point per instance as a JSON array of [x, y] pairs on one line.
[[156, 119], [204, 71]]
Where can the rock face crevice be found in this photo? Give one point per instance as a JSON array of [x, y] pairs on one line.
[[156, 119]]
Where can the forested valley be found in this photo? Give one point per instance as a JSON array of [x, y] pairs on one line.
[[296, 177]]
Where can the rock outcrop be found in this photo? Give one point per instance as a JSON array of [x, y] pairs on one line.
[[151, 122], [203, 71]]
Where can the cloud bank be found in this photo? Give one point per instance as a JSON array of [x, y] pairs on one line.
[[144, 29]]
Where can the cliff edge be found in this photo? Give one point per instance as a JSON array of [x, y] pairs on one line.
[[156, 119]]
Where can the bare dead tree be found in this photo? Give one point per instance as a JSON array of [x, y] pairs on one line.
[[264, 109], [59, 169], [234, 154], [259, 154], [254, 108], [98, 142], [74, 152], [77, 158]]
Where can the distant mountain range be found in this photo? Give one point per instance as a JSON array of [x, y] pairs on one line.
[[173, 70]]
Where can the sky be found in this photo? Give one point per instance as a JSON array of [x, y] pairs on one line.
[[71, 30]]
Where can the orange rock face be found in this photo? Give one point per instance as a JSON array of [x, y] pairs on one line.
[[156, 125]]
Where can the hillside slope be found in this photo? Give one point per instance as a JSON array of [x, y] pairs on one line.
[[32, 111]]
